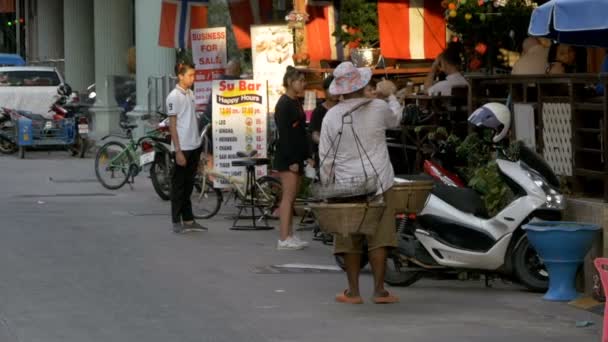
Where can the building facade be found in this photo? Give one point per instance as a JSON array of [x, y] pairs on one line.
[[90, 42]]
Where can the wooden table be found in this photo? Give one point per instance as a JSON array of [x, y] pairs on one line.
[[315, 76], [376, 72]]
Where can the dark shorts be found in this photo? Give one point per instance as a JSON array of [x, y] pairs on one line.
[[282, 165]]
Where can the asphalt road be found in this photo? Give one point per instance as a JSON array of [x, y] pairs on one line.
[[81, 263]]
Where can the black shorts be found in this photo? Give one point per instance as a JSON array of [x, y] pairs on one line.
[[282, 165]]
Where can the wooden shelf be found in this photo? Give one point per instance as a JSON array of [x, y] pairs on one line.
[[490, 99], [590, 173], [562, 99], [589, 130], [599, 107], [589, 150]]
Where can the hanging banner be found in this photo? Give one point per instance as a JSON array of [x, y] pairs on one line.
[[272, 52], [239, 124], [209, 56]]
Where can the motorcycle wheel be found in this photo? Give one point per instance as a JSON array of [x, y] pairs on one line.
[[340, 261], [160, 175], [79, 148], [7, 147], [394, 276], [528, 267]]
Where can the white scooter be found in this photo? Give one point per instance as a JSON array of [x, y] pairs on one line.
[[452, 233]]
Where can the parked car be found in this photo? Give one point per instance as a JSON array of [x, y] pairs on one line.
[[29, 88]]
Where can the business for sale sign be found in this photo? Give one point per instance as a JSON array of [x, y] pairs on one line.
[[209, 55]]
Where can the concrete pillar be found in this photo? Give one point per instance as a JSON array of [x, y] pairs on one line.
[[113, 23], [79, 43], [152, 60], [49, 16]]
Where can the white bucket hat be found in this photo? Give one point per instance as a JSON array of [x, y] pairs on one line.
[[348, 79]]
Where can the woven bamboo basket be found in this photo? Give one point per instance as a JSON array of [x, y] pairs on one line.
[[348, 218], [410, 197]]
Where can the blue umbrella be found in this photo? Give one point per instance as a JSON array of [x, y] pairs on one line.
[[574, 22]]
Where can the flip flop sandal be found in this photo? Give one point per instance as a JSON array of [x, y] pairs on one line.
[[390, 299], [344, 298]]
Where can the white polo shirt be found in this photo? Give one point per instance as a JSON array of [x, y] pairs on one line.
[[445, 87], [180, 103]]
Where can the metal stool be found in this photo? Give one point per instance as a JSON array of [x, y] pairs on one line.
[[251, 203]]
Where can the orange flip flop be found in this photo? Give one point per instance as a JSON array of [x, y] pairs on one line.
[[390, 299], [344, 298]]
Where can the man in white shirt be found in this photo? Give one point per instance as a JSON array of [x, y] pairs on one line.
[[186, 143], [449, 63]]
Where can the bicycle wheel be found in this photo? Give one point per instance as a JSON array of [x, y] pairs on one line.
[[112, 165], [205, 202], [268, 194]]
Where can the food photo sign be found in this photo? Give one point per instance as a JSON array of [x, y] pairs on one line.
[[239, 124], [272, 52], [209, 55]]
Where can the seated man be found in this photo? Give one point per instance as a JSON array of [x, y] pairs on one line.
[[562, 59], [449, 63], [533, 60]]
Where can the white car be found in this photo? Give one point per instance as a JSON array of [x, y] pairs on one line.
[[29, 88]]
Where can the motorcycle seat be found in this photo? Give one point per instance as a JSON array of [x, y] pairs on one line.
[[243, 154], [251, 162], [32, 116], [464, 199]]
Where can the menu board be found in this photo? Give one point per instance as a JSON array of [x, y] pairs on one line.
[[239, 124], [209, 56], [272, 52]]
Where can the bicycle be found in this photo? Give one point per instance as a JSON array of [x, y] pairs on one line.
[[124, 162], [207, 199]]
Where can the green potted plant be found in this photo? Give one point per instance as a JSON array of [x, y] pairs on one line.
[[487, 26], [358, 29]]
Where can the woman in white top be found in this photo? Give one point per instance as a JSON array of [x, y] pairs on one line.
[[370, 120]]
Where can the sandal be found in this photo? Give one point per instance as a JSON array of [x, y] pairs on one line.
[[388, 299], [344, 298]]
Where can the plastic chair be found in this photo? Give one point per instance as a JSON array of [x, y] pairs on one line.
[[601, 264]]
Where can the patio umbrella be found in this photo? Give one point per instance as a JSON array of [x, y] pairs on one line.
[[574, 22]]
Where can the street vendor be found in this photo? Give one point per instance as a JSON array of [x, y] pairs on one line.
[[449, 63], [370, 119]]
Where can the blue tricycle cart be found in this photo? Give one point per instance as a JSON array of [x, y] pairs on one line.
[[38, 133]]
